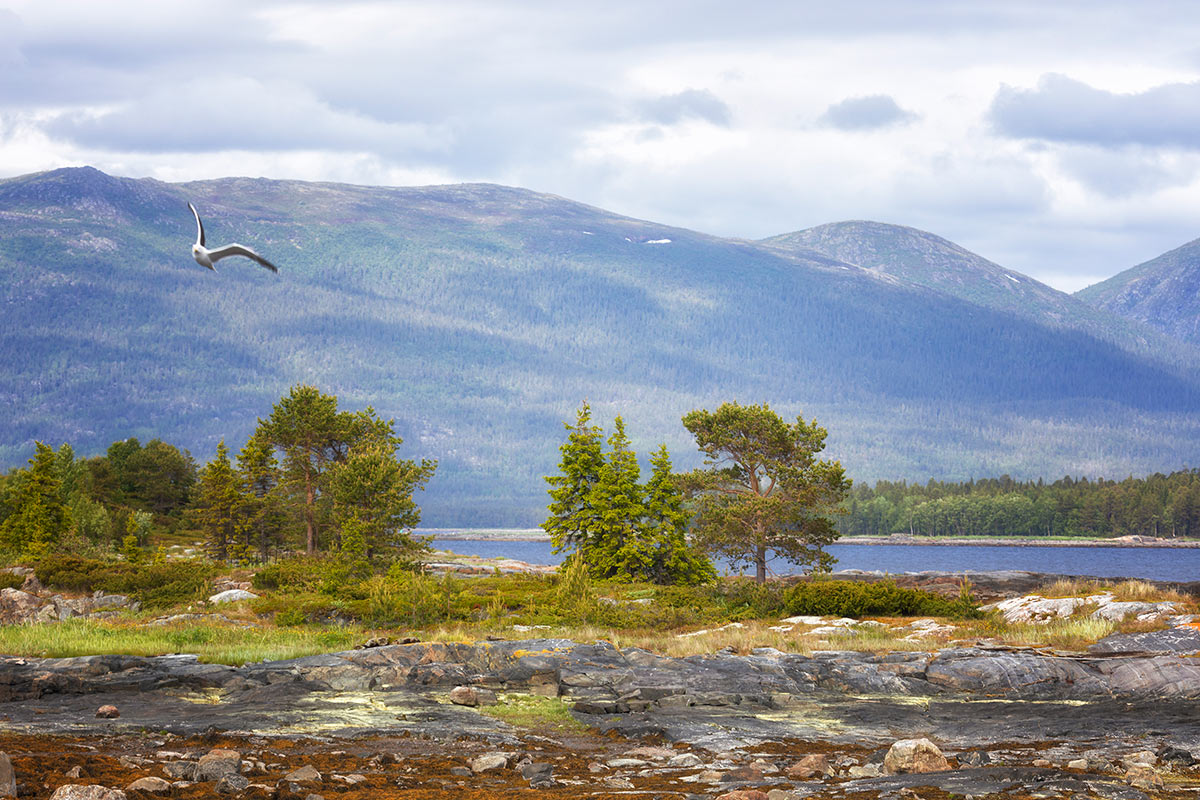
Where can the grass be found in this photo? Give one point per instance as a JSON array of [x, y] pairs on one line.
[[1135, 590], [533, 712], [212, 642]]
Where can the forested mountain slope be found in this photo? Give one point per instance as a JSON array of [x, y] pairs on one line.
[[1163, 292], [480, 316]]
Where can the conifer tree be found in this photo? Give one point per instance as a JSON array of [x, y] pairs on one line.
[[573, 519], [217, 502], [39, 517], [372, 493], [665, 524], [617, 547], [261, 516]]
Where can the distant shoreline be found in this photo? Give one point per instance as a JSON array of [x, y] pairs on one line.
[[536, 535]]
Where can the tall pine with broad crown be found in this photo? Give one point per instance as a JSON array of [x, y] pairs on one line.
[[573, 519]]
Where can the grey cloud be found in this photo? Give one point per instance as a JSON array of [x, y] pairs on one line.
[[689, 104], [240, 114], [1127, 171], [866, 113], [1061, 109]]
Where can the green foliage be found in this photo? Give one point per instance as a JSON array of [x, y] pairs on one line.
[[878, 599], [155, 586], [218, 505], [38, 517], [764, 489], [573, 518], [10, 581]]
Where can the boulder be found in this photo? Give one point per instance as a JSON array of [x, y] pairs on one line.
[[914, 756], [464, 696], [489, 762], [1143, 776], [150, 785], [216, 764], [232, 784], [180, 770], [743, 794], [232, 596], [306, 774], [8, 777], [17, 607], [74, 791], [814, 765], [107, 712]]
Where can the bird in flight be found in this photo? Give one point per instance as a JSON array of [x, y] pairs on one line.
[[205, 257]]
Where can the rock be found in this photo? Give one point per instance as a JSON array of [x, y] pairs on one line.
[[1143, 776], [216, 764], [1175, 755], [1038, 609], [654, 753], [1179, 641], [75, 772], [32, 585], [627, 763], [914, 756], [151, 785], [8, 777], [180, 770], [489, 762], [743, 794], [464, 696], [814, 765], [685, 761], [107, 712], [538, 773], [232, 596], [866, 771], [17, 607], [749, 773], [74, 791], [975, 758], [1077, 763], [1145, 612], [461, 772], [1146, 757], [232, 784], [306, 774]]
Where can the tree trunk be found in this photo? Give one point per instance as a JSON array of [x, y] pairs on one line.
[[760, 564], [310, 521]]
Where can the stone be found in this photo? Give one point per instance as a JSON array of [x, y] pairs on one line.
[[107, 712], [180, 770], [17, 607], [1147, 757], [1176, 755], [814, 765], [232, 596], [1077, 763], [538, 773], [489, 762], [743, 794], [974, 758], [74, 791], [75, 772], [306, 774], [627, 763], [8, 777], [685, 761], [216, 764], [150, 785], [748, 773], [464, 696], [1143, 776], [866, 771], [914, 756], [232, 784], [461, 772]]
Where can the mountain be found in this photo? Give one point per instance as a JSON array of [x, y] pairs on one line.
[[1163, 293], [910, 256], [480, 316]]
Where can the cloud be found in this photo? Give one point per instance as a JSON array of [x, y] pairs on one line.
[[1062, 109], [866, 113], [239, 114], [689, 104]]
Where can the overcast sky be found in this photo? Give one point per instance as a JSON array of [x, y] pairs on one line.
[[1059, 139]]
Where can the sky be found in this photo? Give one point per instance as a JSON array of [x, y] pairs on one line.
[[1059, 139]]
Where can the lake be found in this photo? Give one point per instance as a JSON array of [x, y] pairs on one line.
[[1164, 564]]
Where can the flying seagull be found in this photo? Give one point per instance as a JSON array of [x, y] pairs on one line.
[[205, 257]]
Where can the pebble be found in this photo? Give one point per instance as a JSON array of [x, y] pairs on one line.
[[107, 712]]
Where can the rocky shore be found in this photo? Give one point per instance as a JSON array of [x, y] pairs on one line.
[[404, 720]]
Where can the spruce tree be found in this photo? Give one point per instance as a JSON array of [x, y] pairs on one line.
[[261, 517], [573, 519], [665, 525], [617, 548], [217, 503], [39, 516]]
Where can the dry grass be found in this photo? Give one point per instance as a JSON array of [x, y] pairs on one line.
[[1142, 591]]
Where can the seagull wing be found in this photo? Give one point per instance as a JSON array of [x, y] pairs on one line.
[[199, 226], [240, 250]]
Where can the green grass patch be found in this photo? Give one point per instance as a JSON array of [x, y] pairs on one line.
[[879, 599], [213, 643], [533, 712]]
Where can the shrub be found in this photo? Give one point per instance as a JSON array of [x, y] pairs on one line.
[[153, 585], [882, 599], [10, 581], [330, 575]]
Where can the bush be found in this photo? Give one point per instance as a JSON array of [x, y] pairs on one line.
[[153, 585], [10, 581], [330, 575], [882, 599]]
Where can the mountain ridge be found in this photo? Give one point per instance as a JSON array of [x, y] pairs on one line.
[[480, 316]]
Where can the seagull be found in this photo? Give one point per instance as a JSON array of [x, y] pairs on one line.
[[205, 257]]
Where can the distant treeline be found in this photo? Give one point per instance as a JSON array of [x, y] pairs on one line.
[[1158, 505]]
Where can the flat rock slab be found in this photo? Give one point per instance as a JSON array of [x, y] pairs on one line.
[[1184, 640], [996, 780]]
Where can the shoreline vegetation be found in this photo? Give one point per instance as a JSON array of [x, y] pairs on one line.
[[537, 535]]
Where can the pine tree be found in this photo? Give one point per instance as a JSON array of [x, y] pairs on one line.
[[217, 502], [39, 517], [573, 520], [372, 493]]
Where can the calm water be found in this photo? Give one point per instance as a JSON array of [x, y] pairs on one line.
[[1164, 564]]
